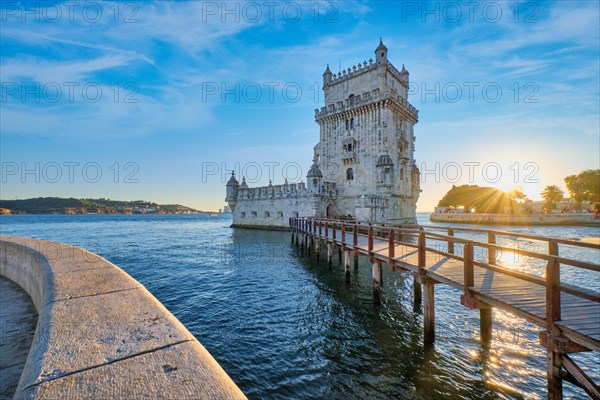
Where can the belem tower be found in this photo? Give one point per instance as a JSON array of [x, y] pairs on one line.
[[363, 166]]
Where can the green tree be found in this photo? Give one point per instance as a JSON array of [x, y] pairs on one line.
[[584, 186], [482, 199], [552, 194]]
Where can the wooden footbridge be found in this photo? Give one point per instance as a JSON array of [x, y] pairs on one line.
[[569, 315]]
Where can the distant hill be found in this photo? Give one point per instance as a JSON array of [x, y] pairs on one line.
[[482, 199], [58, 205]]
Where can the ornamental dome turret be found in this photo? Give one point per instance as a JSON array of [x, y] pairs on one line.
[[232, 187], [233, 181], [327, 76], [404, 74], [384, 160], [381, 52], [385, 168], [314, 171], [244, 185], [314, 178]]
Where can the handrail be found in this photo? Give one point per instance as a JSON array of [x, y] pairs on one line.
[[553, 260], [476, 230]]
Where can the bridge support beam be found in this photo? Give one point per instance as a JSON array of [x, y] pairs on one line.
[[318, 248], [485, 317], [347, 263], [330, 255], [429, 312], [554, 364], [485, 324], [417, 292], [376, 282]]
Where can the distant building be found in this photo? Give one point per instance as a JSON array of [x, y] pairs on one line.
[[363, 165]]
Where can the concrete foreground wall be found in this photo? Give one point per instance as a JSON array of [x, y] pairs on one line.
[[101, 334]]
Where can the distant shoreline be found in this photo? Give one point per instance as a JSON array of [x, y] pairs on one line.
[[571, 219], [59, 205], [117, 213]]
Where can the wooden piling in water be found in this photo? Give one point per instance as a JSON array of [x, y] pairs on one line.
[[318, 248], [485, 324], [347, 263], [376, 281], [429, 311], [355, 245]]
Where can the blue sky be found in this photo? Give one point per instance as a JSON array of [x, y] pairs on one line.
[[139, 100]]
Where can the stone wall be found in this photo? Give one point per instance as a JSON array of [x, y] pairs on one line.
[[271, 207], [509, 219], [101, 334]]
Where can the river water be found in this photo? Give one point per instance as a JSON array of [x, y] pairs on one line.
[[283, 326]]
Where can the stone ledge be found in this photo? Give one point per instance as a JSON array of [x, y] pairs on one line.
[[265, 227], [101, 334]]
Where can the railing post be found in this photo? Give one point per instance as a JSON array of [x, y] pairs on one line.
[[469, 279], [343, 234], [450, 243], [552, 292], [491, 250], [553, 314], [370, 241], [553, 282], [355, 244], [333, 230], [326, 230], [421, 243], [391, 245], [320, 228]]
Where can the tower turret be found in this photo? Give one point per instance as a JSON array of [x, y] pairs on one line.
[[404, 74], [314, 178], [381, 53], [232, 191], [385, 170], [327, 76]]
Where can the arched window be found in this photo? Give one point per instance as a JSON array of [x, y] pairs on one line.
[[351, 100], [352, 123], [349, 174]]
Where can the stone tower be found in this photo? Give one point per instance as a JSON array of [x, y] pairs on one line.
[[363, 165], [366, 147]]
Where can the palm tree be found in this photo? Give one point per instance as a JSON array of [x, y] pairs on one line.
[[551, 195]]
